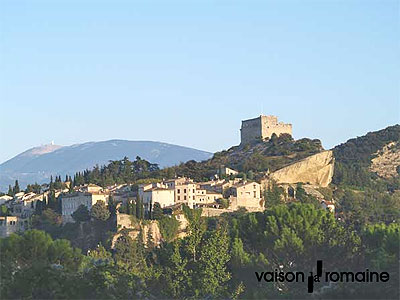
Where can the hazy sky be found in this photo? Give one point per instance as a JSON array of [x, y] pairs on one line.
[[188, 72]]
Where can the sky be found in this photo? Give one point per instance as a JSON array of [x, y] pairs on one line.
[[187, 72]]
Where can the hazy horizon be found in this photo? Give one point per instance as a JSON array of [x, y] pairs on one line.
[[188, 73]]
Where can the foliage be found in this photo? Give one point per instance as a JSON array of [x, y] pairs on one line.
[[49, 221], [99, 211], [223, 202], [176, 275], [273, 195], [293, 236], [4, 210], [359, 208], [81, 214], [157, 212], [196, 228], [169, 227], [32, 258], [303, 197], [116, 172], [212, 271], [353, 158], [35, 188]]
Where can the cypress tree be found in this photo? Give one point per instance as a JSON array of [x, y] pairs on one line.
[[10, 191], [16, 187]]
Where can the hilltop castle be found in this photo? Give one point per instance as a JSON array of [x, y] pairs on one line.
[[262, 128]]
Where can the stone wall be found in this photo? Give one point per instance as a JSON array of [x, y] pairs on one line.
[[150, 230], [262, 127], [251, 130]]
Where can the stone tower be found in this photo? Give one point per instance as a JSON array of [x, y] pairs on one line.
[[262, 127]]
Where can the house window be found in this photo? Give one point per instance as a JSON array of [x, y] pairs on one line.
[[184, 198], [179, 191], [179, 198], [255, 194], [184, 191]]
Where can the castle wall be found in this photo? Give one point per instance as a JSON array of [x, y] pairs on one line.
[[250, 131], [262, 127], [278, 129]]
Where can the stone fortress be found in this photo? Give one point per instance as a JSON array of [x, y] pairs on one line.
[[262, 127]]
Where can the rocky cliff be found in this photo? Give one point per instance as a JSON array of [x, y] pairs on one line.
[[387, 160], [316, 169], [150, 230]]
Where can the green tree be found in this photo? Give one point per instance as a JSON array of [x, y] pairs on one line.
[[212, 273], [81, 214], [177, 274], [49, 221], [273, 195], [4, 210], [99, 211], [124, 250], [16, 188], [10, 191], [157, 211], [34, 266], [169, 227], [196, 228], [139, 208]]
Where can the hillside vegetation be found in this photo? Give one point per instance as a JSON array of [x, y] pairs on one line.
[[353, 159], [260, 156]]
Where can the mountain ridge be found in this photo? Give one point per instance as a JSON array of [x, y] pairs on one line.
[[29, 166]]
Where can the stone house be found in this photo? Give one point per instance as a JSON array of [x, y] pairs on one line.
[[87, 196], [12, 224]]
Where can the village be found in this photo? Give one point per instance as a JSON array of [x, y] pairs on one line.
[[226, 192]]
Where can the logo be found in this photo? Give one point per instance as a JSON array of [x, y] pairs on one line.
[[321, 276]]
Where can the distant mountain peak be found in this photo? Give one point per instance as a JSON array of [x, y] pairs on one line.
[[39, 163], [42, 149]]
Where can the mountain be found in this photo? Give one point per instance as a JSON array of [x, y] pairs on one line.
[[37, 164]]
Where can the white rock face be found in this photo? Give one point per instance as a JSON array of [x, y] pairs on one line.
[[316, 169], [387, 160]]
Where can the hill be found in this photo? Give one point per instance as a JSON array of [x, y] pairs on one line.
[[37, 164], [257, 158], [354, 158]]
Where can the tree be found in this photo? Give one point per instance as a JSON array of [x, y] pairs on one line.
[[157, 211], [10, 191], [250, 175], [273, 195], [139, 209], [303, 197], [195, 229], [3, 210], [16, 187], [53, 202], [99, 211], [124, 250], [177, 275], [169, 227], [35, 188], [35, 266], [100, 253], [48, 220], [212, 273], [81, 214]]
